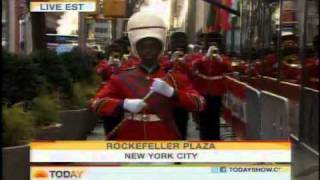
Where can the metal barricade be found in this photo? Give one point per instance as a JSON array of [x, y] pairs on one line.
[[269, 84], [310, 118], [292, 92], [235, 105], [253, 129], [274, 116]]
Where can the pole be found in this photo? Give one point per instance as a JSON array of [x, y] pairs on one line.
[[279, 42], [302, 122], [82, 32], [241, 26], [13, 27], [191, 21], [251, 31]]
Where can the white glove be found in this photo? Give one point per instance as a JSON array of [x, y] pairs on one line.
[[177, 56], [114, 61], [162, 87], [134, 105], [212, 50], [213, 54]]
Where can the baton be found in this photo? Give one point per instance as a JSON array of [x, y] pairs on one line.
[[147, 95], [114, 130]]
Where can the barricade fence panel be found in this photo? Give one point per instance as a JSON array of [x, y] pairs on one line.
[[310, 118], [292, 92], [234, 102], [253, 128], [269, 115], [274, 116]]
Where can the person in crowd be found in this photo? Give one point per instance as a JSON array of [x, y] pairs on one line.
[[270, 64], [100, 63], [146, 95], [194, 55], [290, 67], [178, 48], [107, 68], [208, 80], [178, 52]]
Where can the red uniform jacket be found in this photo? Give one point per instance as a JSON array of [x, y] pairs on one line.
[[291, 73], [270, 65], [135, 83], [193, 58], [208, 76], [132, 61], [102, 65], [255, 69], [312, 71], [105, 70], [180, 66], [165, 62], [185, 66], [241, 67]]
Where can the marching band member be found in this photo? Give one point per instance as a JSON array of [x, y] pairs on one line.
[[146, 95], [106, 69], [178, 47], [208, 80]]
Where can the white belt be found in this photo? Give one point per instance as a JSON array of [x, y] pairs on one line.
[[142, 117], [209, 77]]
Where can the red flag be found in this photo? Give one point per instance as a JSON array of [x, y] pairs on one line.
[[218, 19], [224, 16]]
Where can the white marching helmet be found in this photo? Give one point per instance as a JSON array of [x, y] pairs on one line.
[[144, 24], [213, 53]]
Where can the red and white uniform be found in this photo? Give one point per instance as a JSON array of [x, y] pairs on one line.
[[135, 83], [208, 76], [125, 93]]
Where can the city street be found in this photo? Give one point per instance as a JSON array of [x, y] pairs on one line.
[[246, 70]]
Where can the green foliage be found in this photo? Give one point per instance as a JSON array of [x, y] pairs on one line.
[[53, 71], [20, 78], [17, 125], [79, 65], [81, 93], [44, 72], [44, 110]]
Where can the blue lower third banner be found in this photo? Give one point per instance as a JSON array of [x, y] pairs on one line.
[[164, 172]]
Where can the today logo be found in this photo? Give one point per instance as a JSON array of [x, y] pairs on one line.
[[41, 174], [58, 174]]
